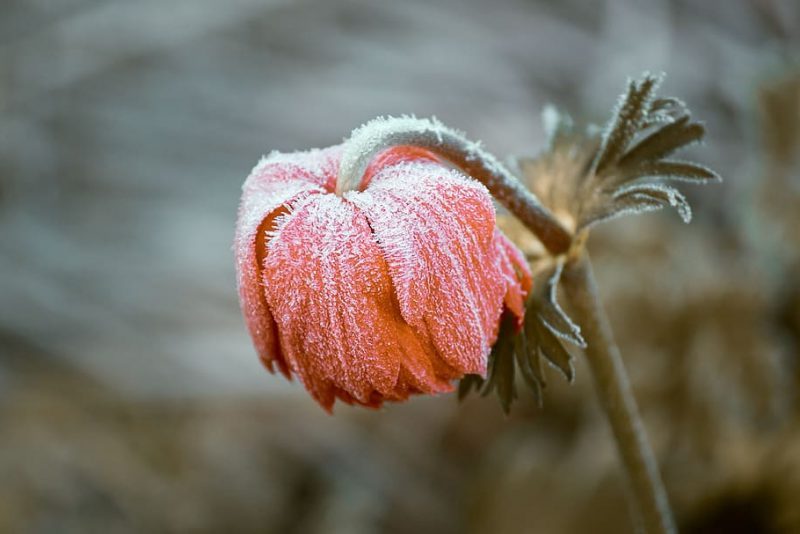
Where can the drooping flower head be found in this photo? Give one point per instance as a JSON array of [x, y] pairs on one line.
[[392, 289]]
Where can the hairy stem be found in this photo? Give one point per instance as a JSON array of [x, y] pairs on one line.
[[380, 134], [616, 397]]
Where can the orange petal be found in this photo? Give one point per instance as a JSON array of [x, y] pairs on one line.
[[340, 328], [436, 230], [276, 182], [517, 275]]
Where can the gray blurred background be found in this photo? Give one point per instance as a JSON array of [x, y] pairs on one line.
[[131, 399]]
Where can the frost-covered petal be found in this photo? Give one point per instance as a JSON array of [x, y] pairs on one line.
[[318, 166], [273, 184], [516, 273], [332, 298], [436, 230], [261, 202]]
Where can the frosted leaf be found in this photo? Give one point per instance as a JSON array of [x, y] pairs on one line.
[[545, 330], [674, 170], [547, 327], [646, 197], [629, 115], [551, 314], [530, 366], [502, 368], [467, 384], [664, 142], [629, 153], [667, 108], [553, 351]]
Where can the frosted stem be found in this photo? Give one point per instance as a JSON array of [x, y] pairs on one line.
[[378, 135], [616, 397]]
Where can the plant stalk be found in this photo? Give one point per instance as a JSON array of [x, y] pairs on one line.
[[615, 395], [378, 135]]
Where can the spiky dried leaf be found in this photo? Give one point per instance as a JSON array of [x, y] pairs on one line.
[[504, 384], [545, 330], [668, 105], [551, 348], [663, 142], [551, 314], [630, 195], [501, 365], [530, 367], [579, 176], [629, 117], [663, 111], [676, 170]]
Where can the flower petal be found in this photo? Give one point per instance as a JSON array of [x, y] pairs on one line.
[[339, 324], [318, 166], [436, 229], [517, 275], [276, 182]]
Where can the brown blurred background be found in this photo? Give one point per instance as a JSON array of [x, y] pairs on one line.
[[131, 399]]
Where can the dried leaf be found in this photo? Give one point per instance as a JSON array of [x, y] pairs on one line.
[[501, 365], [506, 388], [664, 111], [581, 174], [530, 366], [546, 327], [631, 205], [530, 363], [551, 348], [679, 170], [663, 142], [551, 314], [646, 194], [668, 105], [628, 119]]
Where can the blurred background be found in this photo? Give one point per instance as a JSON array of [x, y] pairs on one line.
[[131, 399]]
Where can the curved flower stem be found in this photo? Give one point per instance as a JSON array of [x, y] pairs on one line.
[[616, 397], [378, 135]]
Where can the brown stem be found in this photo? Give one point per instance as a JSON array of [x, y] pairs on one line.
[[616, 397], [380, 134]]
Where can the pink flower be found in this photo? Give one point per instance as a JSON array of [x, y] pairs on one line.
[[380, 293]]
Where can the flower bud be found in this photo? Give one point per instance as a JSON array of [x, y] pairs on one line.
[[392, 289]]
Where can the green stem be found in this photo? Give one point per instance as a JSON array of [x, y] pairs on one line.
[[614, 390]]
